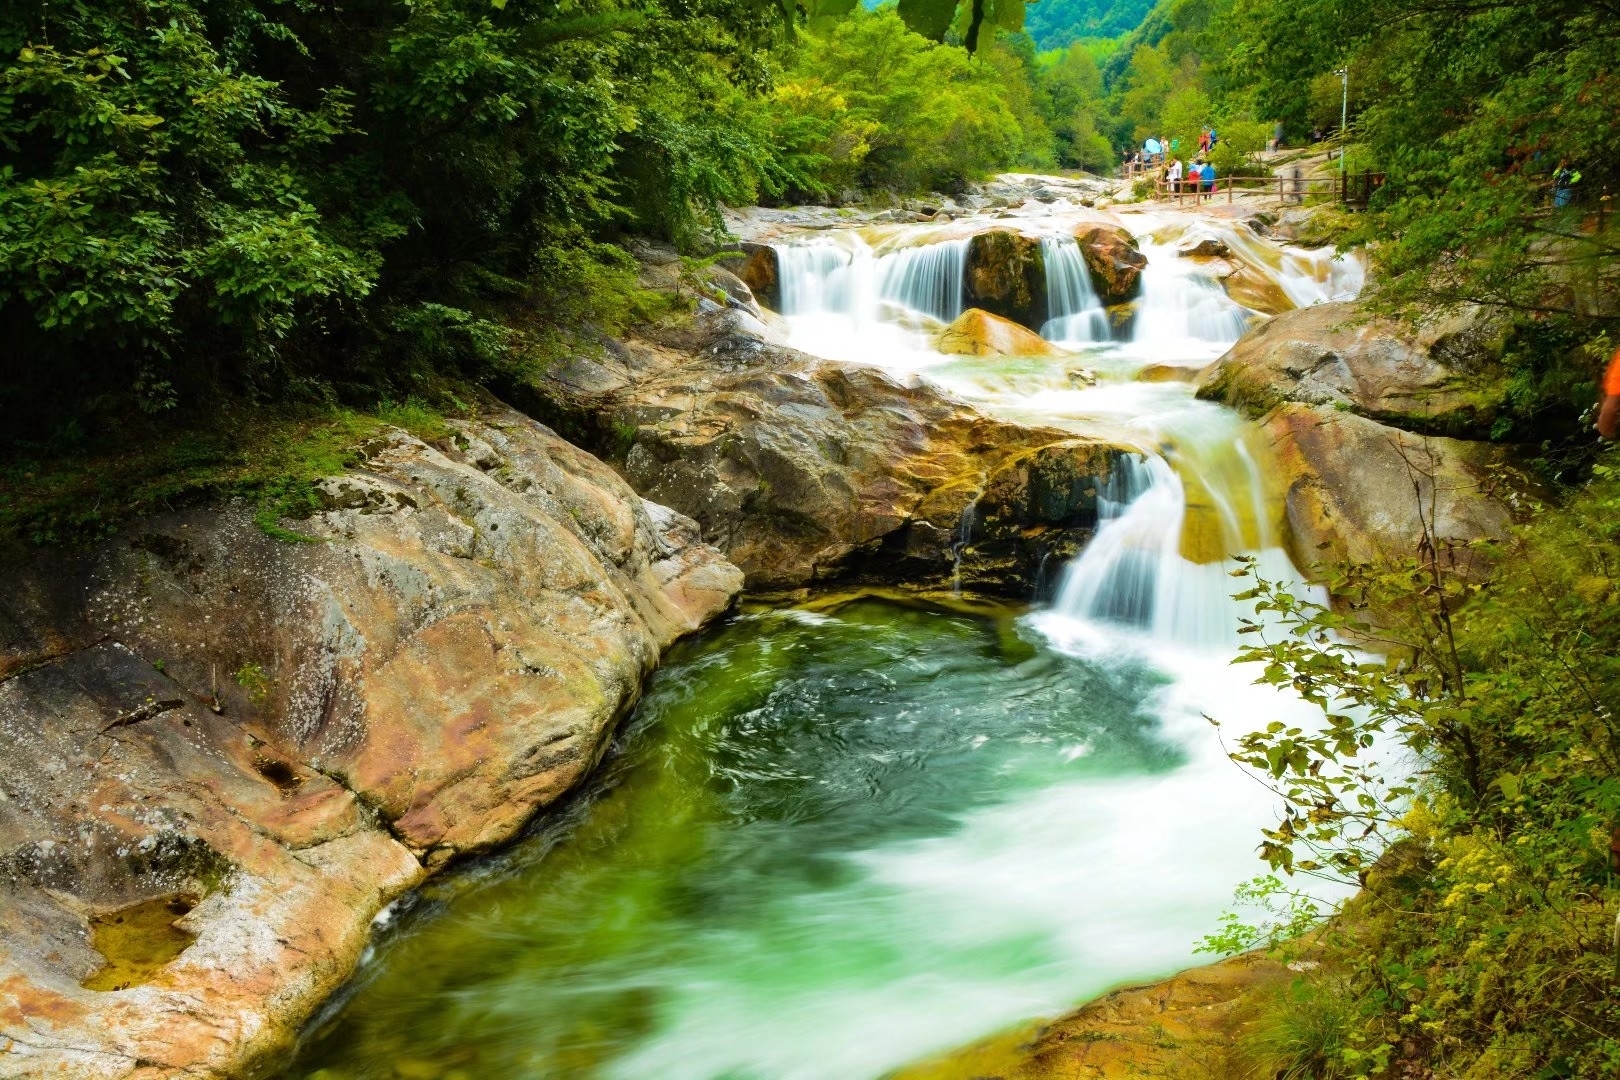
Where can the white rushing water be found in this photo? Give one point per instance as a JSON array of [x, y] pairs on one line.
[[1076, 314]]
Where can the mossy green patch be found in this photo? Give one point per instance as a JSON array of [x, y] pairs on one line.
[[138, 941], [271, 456]]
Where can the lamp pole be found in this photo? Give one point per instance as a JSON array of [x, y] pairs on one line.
[[1344, 114]]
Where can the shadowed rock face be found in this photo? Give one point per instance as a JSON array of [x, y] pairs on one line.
[[290, 735], [805, 472], [1435, 379], [1006, 276]]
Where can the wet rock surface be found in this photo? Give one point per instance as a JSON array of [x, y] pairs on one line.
[[1005, 275], [1434, 379], [1359, 491], [805, 472], [222, 754], [1113, 259]]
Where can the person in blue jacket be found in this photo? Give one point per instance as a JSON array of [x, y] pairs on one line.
[[1208, 174]]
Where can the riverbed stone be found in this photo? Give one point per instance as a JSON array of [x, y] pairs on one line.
[[276, 739], [1439, 377], [979, 333], [1005, 275], [1114, 261]]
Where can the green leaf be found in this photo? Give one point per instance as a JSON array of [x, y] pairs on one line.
[[930, 18]]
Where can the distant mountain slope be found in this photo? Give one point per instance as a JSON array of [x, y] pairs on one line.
[[1055, 23]]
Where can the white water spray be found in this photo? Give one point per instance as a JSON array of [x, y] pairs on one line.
[[1076, 314]]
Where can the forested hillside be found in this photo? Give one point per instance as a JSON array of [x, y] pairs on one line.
[[1054, 24]]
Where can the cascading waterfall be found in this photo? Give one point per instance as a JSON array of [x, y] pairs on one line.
[[1180, 305], [825, 277], [1160, 559], [926, 279], [1077, 314]]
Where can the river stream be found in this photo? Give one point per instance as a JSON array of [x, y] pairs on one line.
[[838, 837]]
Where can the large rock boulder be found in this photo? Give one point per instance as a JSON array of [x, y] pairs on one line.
[[1358, 491], [1113, 259], [264, 742], [1439, 378], [761, 271], [979, 333], [1006, 276], [805, 472]]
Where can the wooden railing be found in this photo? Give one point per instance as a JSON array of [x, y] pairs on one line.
[[1353, 189]]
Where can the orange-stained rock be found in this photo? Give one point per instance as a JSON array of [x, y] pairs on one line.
[[979, 333], [1115, 263], [290, 735], [1255, 289], [762, 274]]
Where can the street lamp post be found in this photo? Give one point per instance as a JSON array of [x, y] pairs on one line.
[[1344, 116]]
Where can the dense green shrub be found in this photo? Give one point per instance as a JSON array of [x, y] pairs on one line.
[[1470, 782], [265, 198]]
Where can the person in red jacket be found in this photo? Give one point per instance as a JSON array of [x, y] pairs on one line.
[[1608, 423]]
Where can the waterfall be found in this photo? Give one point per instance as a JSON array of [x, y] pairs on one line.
[[959, 545], [823, 277], [826, 276], [1159, 561], [926, 279], [1181, 305], [1076, 313]]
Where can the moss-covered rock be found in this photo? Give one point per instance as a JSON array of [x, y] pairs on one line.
[[1439, 378], [1006, 276]]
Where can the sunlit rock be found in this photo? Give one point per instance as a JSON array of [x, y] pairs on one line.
[[1358, 491], [979, 333], [222, 753], [1437, 378]]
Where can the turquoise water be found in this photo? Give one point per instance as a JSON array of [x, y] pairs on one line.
[[794, 864]]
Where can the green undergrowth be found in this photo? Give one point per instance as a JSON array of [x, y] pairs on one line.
[[270, 456], [1468, 780]]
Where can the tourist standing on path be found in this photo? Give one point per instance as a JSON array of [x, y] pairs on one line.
[[1208, 175], [1608, 422], [1174, 175], [1564, 181]]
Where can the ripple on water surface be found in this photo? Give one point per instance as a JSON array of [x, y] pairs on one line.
[[828, 843]]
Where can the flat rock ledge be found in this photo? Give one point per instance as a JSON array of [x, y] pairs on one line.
[[1189, 1025], [268, 741]]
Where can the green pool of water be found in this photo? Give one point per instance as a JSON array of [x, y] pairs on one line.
[[821, 848]]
